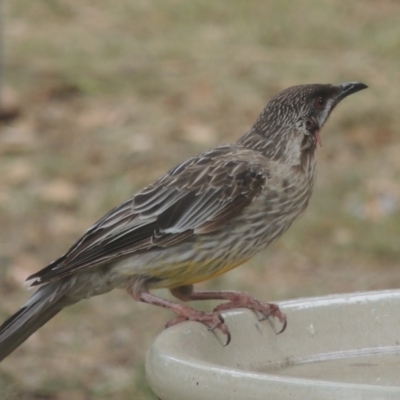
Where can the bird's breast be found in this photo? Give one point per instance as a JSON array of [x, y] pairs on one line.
[[284, 198]]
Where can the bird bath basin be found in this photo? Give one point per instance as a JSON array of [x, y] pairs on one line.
[[335, 347]]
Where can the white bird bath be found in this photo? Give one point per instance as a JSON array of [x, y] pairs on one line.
[[335, 347]]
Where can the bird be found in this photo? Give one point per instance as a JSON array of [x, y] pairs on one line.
[[204, 217]]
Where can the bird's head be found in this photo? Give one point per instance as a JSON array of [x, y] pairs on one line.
[[292, 120]]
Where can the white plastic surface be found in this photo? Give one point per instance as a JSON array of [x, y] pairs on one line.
[[335, 347]]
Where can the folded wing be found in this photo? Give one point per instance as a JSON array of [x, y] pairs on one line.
[[197, 197]]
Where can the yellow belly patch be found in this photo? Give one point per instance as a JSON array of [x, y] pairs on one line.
[[190, 273]]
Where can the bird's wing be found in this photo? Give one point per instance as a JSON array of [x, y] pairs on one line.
[[197, 197]]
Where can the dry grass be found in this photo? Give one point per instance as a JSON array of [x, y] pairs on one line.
[[114, 93]]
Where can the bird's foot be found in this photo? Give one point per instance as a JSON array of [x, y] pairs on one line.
[[212, 320], [245, 300], [235, 300]]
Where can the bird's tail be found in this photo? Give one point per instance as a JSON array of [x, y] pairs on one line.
[[40, 308]]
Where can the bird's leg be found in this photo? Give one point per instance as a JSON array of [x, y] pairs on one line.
[[213, 320], [235, 300]]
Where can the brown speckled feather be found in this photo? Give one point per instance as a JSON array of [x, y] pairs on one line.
[[197, 197]]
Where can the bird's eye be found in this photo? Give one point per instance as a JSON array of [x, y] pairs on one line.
[[320, 102]]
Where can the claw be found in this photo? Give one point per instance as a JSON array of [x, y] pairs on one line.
[[222, 327], [276, 312], [283, 327], [280, 316], [228, 338], [212, 320]]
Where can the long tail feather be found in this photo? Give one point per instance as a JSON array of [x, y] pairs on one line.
[[40, 308]]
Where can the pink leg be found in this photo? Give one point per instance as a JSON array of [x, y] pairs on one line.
[[235, 300], [213, 320]]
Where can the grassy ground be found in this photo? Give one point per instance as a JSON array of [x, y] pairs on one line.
[[113, 93]]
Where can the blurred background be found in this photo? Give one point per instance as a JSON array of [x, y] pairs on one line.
[[98, 98]]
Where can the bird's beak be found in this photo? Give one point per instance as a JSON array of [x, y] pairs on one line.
[[349, 88]]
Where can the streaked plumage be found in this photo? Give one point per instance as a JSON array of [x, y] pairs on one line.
[[207, 215]]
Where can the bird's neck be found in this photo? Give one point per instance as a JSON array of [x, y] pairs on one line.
[[255, 140], [281, 149]]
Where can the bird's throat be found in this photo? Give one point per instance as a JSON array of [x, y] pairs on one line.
[[318, 137]]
